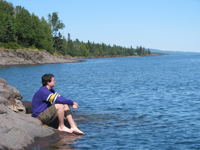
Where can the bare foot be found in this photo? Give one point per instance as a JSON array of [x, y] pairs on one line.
[[77, 131], [65, 129]]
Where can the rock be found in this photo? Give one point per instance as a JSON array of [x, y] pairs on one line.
[[14, 92], [17, 130], [3, 101], [28, 107], [30, 57], [14, 125]]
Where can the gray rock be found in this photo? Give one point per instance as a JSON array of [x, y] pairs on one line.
[[3, 101], [30, 56], [28, 107], [4, 93], [15, 92], [17, 130]]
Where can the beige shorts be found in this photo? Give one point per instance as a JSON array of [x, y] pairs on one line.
[[49, 115]]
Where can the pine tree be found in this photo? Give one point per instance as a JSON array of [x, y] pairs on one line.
[[23, 26]]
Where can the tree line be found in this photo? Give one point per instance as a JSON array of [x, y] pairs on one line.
[[20, 29]]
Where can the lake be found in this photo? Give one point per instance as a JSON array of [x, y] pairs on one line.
[[125, 103]]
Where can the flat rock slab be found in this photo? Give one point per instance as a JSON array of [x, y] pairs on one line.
[[18, 130]]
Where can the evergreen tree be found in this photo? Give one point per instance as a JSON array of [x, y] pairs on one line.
[[36, 33], [23, 26], [7, 33], [7, 29], [5, 9], [60, 44], [84, 49], [77, 51], [70, 46], [47, 42], [149, 52]]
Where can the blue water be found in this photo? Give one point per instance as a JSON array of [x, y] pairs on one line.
[[125, 103]]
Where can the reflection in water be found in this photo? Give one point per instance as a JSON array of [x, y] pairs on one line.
[[66, 142]]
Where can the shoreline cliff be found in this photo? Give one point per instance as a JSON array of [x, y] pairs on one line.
[[18, 57], [31, 57]]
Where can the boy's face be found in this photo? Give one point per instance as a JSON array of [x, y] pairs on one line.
[[52, 83]]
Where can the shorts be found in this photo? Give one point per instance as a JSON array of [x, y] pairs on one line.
[[49, 115]]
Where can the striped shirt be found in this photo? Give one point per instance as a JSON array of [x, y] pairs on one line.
[[44, 98]]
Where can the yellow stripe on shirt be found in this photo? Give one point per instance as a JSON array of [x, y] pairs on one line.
[[51, 98]]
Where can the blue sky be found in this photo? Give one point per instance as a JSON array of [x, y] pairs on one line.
[[159, 24]]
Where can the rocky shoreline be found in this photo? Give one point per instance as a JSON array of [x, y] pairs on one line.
[[10, 57], [31, 57], [18, 130]]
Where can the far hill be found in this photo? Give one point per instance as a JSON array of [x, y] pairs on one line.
[[164, 52]]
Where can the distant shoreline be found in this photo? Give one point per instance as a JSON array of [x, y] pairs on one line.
[[91, 57]]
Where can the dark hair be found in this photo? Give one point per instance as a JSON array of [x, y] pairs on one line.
[[46, 78]]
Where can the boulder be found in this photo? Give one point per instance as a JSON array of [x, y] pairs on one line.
[[18, 130], [28, 106]]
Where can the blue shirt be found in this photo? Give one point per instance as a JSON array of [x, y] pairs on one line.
[[44, 98]]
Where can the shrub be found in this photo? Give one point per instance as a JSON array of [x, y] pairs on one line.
[[11, 45], [32, 47], [1, 44]]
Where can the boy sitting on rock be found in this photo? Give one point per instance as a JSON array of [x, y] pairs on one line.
[[46, 112]]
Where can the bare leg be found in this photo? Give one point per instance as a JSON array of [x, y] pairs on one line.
[[68, 115], [60, 112]]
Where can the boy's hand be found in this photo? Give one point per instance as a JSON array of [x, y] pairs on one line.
[[75, 105]]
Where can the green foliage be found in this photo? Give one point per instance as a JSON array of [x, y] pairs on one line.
[[7, 30], [77, 48], [7, 33], [5, 9], [47, 40], [19, 28], [23, 26], [1, 44], [32, 47], [55, 24], [11, 45]]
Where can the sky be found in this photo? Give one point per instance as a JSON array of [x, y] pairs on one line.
[[172, 25]]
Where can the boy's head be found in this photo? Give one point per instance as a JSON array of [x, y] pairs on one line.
[[46, 78]]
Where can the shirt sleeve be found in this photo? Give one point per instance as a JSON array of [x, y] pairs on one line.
[[63, 100], [54, 97]]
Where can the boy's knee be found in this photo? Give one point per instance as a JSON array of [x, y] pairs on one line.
[[66, 107], [59, 106], [62, 106]]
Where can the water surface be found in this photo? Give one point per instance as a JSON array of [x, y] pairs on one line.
[[125, 103]]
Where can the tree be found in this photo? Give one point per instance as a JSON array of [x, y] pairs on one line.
[[47, 41], [77, 48], [23, 26], [84, 49], [55, 24], [60, 44], [7, 33], [70, 46], [7, 29], [5, 9], [149, 52], [36, 33]]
